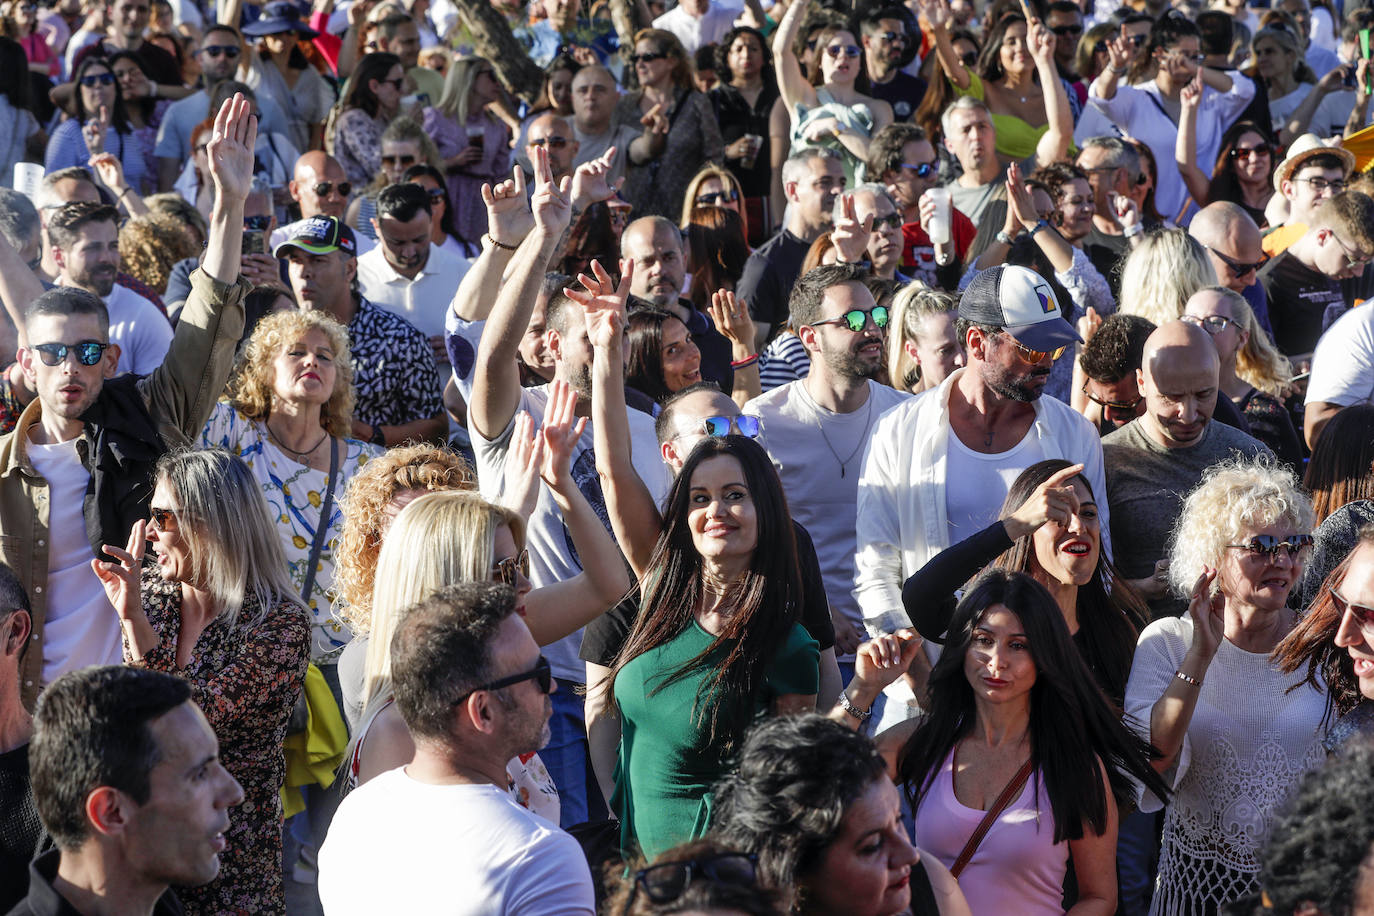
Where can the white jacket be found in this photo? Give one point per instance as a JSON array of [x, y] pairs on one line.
[[901, 508]]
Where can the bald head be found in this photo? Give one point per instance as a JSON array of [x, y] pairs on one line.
[[1178, 377], [555, 134], [594, 97], [1232, 241], [314, 170], [655, 245]]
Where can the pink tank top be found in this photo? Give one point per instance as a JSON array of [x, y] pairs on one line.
[[1018, 867]]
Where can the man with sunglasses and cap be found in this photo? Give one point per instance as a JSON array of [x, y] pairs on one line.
[[474, 693], [76, 472], [937, 467], [319, 187]]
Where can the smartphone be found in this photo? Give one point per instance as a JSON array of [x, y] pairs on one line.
[[255, 242]]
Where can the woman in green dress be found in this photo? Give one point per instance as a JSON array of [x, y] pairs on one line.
[[716, 645]]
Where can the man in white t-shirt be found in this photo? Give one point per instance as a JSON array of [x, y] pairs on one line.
[[816, 428], [938, 467], [1342, 371], [442, 835], [407, 273], [85, 245], [697, 23]]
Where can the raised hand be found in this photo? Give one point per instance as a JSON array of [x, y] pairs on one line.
[[110, 171], [230, 150], [562, 429], [655, 121], [823, 129], [122, 578], [1019, 202], [850, 236], [520, 490], [508, 212], [935, 13], [1053, 501], [1124, 211], [551, 203], [1119, 52], [1039, 39], [882, 660], [1191, 94], [1208, 613], [1088, 324], [1362, 78], [731, 318], [603, 300], [589, 184], [93, 131]]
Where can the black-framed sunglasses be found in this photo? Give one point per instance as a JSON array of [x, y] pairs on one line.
[[396, 84], [88, 352], [1237, 152], [667, 882], [162, 519], [969, 60], [742, 425], [857, 319], [893, 37], [1121, 406], [509, 569], [922, 169], [717, 198], [1238, 268], [257, 223], [648, 58], [323, 188], [97, 79], [229, 51], [1271, 544], [834, 51], [550, 142], [1363, 615], [1212, 324], [891, 221], [542, 673], [1064, 31]]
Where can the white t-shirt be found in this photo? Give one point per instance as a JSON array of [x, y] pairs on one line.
[[422, 301], [1343, 364], [976, 484], [821, 495], [401, 846], [142, 332], [81, 627], [552, 557], [1329, 118]]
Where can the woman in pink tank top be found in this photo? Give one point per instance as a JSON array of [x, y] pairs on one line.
[[1013, 711]]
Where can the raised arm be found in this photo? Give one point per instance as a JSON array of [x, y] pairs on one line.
[[1046, 237], [1119, 53], [508, 221], [939, 16], [1360, 112], [793, 85], [1173, 712], [1185, 147], [18, 287], [1054, 144], [230, 152], [731, 319], [496, 380], [1300, 119]]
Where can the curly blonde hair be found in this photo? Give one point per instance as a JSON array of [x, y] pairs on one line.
[[250, 389], [407, 467], [1161, 274], [1234, 497], [150, 246]]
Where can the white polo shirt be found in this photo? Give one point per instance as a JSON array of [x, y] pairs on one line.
[[422, 301]]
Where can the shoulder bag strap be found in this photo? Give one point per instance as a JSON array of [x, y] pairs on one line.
[[322, 529], [1012, 790]]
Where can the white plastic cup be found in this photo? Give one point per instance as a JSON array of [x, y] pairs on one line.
[[28, 177], [940, 220]]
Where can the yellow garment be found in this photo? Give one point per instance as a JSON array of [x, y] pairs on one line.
[[1016, 139], [1278, 240], [314, 755]]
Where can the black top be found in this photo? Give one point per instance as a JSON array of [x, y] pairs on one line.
[[605, 636], [715, 349], [768, 276], [21, 832], [1271, 424], [903, 92], [737, 118], [1302, 303], [42, 900]]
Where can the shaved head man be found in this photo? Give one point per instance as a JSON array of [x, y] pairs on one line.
[[1178, 376], [556, 134], [319, 186], [1232, 241]]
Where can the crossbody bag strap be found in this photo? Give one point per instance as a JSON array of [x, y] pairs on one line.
[[322, 529], [1013, 789]]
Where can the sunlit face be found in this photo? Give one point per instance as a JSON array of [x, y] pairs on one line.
[[332, 202], [1068, 553], [1014, 53], [503, 547], [1007, 372], [102, 94], [534, 350], [405, 44], [388, 90], [936, 347], [1095, 161], [716, 193], [1217, 317], [973, 139], [399, 155], [1120, 400], [218, 55], [527, 709], [171, 548], [1252, 157], [304, 371], [815, 193], [560, 91], [405, 244], [653, 72], [689, 412], [998, 663], [1180, 396], [68, 389], [91, 261], [593, 97], [319, 280], [866, 869], [558, 138], [1308, 186], [885, 239], [1338, 257], [1271, 59], [847, 354], [132, 83], [1260, 580], [1181, 60], [680, 356], [1075, 209], [721, 511], [888, 43], [906, 184], [1358, 588], [840, 59], [745, 57], [660, 270]]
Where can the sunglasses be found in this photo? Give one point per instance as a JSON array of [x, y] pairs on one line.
[[396, 84], [891, 221], [162, 519], [506, 569], [229, 51], [550, 142], [647, 58], [857, 319], [742, 425], [1294, 544], [1035, 356], [717, 198], [1363, 615], [1238, 268], [834, 51], [437, 195], [541, 672], [1138, 40], [257, 223], [1212, 324], [1119, 406], [398, 160], [1064, 31], [667, 882], [892, 37], [1243, 152], [970, 59], [88, 352], [924, 170], [323, 188], [98, 79]]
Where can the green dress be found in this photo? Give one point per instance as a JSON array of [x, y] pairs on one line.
[[667, 765]]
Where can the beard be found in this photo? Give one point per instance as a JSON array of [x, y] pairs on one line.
[[1026, 389], [99, 280], [851, 364]]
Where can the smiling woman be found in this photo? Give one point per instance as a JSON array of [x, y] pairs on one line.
[[663, 358]]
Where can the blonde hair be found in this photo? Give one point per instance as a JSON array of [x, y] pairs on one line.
[[439, 539], [406, 467], [1233, 497], [406, 130], [708, 171], [458, 83], [913, 304], [150, 246], [251, 388], [1162, 273], [1258, 362]]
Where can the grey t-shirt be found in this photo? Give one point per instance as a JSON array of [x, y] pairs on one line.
[[1146, 485]]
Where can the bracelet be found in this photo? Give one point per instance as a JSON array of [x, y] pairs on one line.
[[744, 363], [502, 245], [863, 715], [1133, 231], [1005, 239], [1043, 224], [1187, 680], [1117, 71], [377, 437]]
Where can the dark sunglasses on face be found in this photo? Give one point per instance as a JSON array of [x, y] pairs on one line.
[[550, 142], [506, 569], [406, 161], [893, 37], [1238, 268], [396, 83], [323, 188], [857, 319], [257, 223], [717, 198], [647, 58], [162, 519], [541, 673], [1294, 544], [88, 352], [667, 882], [437, 195], [1363, 615], [1063, 31], [97, 79], [229, 51], [834, 51], [923, 170], [1212, 324], [891, 221], [970, 59], [1119, 406], [742, 425], [1240, 152]]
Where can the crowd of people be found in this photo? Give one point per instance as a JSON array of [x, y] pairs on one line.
[[816, 457]]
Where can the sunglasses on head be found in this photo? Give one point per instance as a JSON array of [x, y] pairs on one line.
[[922, 170], [162, 519], [542, 673], [229, 51], [667, 882], [834, 51], [1271, 544], [97, 79], [1363, 615], [716, 198], [88, 352], [1064, 31], [506, 569], [857, 319], [323, 188], [647, 58], [742, 425], [256, 223], [550, 142], [1035, 356]]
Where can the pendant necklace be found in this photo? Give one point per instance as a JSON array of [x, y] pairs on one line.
[[286, 448], [863, 439]]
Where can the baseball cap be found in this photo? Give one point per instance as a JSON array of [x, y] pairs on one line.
[[1021, 301], [318, 235]]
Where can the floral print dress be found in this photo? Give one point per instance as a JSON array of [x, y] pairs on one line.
[[245, 678]]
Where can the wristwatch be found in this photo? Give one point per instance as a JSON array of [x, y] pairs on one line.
[[1005, 239]]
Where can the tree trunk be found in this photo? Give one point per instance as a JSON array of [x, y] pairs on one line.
[[491, 34]]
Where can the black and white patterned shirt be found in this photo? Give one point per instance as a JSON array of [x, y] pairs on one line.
[[393, 369]]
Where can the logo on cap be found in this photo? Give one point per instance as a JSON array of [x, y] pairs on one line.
[[1047, 303]]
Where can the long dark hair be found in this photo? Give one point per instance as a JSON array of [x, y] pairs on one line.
[[768, 74], [145, 106], [767, 601], [1342, 466], [430, 172], [119, 117], [374, 66], [717, 250], [14, 74], [1072, 724], [1110, 612], [644, 331], [1224, 184], [1164, 34]]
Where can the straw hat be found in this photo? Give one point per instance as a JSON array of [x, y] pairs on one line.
[[1304, 148]]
